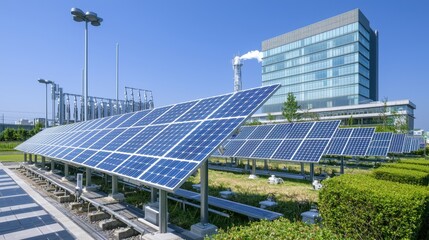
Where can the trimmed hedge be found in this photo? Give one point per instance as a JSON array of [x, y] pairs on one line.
[[278, 229], [416, 167], [359, 206], [416, 161], [402, 175]]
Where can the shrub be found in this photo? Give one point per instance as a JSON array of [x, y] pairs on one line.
[[416, 167], [361, 207], [402, 175], [415, 162], [278, 229]]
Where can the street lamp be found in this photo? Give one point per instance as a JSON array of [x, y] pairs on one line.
[[46, 82], [88, 17]]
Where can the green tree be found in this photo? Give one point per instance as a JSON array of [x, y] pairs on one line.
[[9, 134], [271, 117], [290, 108], [350, 121], [254, 122], [21, 134]]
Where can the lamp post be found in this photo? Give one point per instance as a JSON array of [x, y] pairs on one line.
[[46, 82], [88, 17]]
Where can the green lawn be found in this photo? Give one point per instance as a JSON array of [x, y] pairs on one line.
[[11, 156]]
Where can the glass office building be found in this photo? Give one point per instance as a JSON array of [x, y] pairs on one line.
[[331, 63]]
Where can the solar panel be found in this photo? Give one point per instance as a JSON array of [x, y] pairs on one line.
[[380, 144], [159, 147], [359, 141], [303, 141], [397, 143]]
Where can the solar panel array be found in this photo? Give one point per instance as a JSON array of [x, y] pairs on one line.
[[397, 143], [302, 142], [413, 143], [159, 147], [350, 142], [380, 144]]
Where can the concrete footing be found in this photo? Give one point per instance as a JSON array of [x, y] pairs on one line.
[[91, 188], [202, 230], [75, 206], [109, 224], [65, 199], [97, 216], [125, 233], [253, 176], [162, 236]]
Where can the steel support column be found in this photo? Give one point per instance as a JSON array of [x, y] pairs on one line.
[[114, 184], [88, 177], [311, 172], [204, 182], [163, 209]]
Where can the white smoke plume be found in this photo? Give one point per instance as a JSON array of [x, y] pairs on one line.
[[252, 55]]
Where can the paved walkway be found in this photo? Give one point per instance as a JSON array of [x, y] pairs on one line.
[[24, 214]]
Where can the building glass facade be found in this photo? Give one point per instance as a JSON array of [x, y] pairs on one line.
[[327, 64]]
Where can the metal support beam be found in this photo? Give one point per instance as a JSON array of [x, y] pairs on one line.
[[254, 166], [153, 195], [35, 158], [52, 165], [311, 172], [43, 162], [163, 209], [25, 157], [204, 190], [114, 184], [342, 165], [88, 177], [302, 169], [266, 165], [66, 170], [30, 158]]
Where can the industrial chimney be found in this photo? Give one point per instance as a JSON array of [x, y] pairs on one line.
[[236, 65]]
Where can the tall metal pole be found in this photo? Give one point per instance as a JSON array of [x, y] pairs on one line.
[[46, 106], [85, 97], [53, 103], [117, 74]]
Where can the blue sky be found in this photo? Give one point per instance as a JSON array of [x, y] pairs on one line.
[[182, 50]]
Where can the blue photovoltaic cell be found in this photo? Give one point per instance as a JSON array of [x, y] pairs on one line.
[[135, 166], [160, 173], [233, 147], [134, 118], [357, 147], [343, 132], [279, 131], [407, 144], [363, 132], [286, 149], [141, 139], [85, 155], [150, 117], [336, 146], [323, 129], [379, 145], [248, 148], [205, 139], [204, 108], [160, 147], [107, 121], [106, 139], [96, 158], [311, 150], [175, 112], [160, 144], [266, 149], [85, 143], [299, 130], [397, 143], [112, 161], [121, 139], [261, 131], [242, 103], [245, 132], [72, 154]]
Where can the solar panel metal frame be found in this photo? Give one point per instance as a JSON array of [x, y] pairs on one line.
[[380, 144], [209, 126]]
